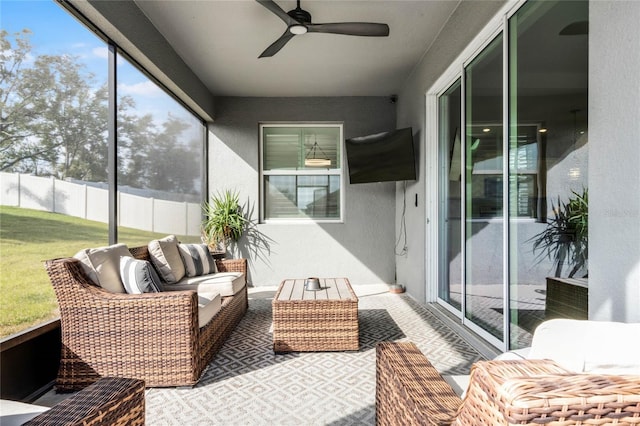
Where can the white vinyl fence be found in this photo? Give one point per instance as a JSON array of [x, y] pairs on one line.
[[88, 202]]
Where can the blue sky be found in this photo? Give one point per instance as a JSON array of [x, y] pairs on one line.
[[55, 31]]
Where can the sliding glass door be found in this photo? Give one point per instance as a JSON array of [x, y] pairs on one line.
[[450, 210], [548, 50], [507, 179], [484, 229]]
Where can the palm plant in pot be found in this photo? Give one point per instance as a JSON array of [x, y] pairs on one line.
[[566, 239], [224, 220]]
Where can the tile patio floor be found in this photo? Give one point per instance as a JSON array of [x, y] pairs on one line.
[[247, 384]]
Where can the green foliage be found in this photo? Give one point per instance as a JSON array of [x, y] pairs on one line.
[[566, 237], [224, 219], [54, 123], [52, 114]]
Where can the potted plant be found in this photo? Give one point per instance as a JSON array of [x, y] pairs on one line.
[[565, 239], [224, 220]]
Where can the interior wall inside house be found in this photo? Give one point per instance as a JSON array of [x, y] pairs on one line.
[[360, 248], [467, 20], [614, 175]]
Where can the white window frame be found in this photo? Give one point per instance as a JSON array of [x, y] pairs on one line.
[[301, 172]]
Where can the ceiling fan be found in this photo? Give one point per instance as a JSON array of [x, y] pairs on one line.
[[299, 22]]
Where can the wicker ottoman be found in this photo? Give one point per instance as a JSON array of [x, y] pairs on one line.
[[310, 321]]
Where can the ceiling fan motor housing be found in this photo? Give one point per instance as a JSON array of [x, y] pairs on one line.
[[300, 15]]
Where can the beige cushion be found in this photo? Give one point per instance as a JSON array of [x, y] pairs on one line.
[[570, 343], [102, 265], [225, 283], [209, 304], [166, 258], [514, 355]]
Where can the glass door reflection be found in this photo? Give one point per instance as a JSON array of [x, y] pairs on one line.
[[484, 171]]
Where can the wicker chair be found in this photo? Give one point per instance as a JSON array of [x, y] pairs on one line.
[[533, 392], [409, 391], [153, 336], [109, 401]]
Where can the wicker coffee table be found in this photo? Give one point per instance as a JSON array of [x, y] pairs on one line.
[[310, 321]]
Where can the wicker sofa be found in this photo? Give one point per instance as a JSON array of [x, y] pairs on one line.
[[109, 401], [527, 387], [155, 337]]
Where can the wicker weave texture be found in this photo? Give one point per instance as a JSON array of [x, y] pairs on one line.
[[109, 401], [409, 390], [153, 336], [307, 321], [214, 334], [566, 298], [533, 392]]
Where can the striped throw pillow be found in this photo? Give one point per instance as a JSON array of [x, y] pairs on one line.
[[197, 259], [138, 276]]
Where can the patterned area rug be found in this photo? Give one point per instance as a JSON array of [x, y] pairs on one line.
[[247, 384]]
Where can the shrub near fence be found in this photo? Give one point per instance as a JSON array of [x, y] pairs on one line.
[[88, 202]]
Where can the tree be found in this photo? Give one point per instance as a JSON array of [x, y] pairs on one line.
[[172, 165], [135, 137], [154, 156], [53, 118], [54, 122], [17, 109]]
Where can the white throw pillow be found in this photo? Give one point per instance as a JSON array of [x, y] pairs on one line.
[[197, 259], [102, 265], [138, 276], [166, 258]]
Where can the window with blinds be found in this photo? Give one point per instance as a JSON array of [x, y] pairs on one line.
[[487, 175], [301, 171]]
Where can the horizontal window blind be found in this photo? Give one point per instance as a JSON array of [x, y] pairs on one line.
[[286, 148], [293, 190]]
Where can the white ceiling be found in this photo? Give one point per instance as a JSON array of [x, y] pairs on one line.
[[220, 40]]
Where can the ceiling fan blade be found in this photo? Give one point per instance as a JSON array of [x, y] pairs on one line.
[[576, 28], [277, 45], [367, 29], [277, 10]]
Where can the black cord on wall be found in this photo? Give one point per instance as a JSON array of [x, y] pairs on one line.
[[402, 235]]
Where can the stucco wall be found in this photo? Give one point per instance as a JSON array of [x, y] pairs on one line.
[[614, 151], [467, 20], [614, 161], [361, 248]]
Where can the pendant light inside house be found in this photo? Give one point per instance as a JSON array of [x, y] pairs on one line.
[[313, 160]]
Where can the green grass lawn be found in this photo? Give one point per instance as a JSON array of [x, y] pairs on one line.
[[27, 239]]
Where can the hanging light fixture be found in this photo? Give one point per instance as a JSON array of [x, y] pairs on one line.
[[312, 160]]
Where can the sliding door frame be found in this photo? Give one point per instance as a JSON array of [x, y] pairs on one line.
[[498, 25]]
